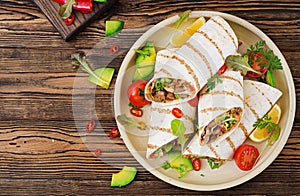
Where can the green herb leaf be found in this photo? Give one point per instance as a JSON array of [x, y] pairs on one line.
[[142, 52], [159, 85], [79, 59], [166, 165], [239, 63], [214, 165], [178, 129], [182, 18], [213, 81], [134, 106], [66, 9]]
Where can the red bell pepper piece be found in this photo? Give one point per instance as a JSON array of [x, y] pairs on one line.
[[84, 6]]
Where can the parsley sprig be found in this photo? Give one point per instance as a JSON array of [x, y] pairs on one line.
[[213, 81], [273, 128]]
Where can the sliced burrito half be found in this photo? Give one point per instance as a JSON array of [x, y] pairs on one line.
[[161, 138], [220, 110], [259, 99], [192, 64]]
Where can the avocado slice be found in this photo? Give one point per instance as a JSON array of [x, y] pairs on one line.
[[143, 60], [143, 73], [112, 27], [177, 161], [124, 177], [105, 74]]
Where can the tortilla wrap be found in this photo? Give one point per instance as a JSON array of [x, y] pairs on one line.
[[194, 62], [259, 98], [160, 132], [221, 107]]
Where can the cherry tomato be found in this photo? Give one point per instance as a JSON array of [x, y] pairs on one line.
[[68, 21], [194, 102], [114, 132], [136, 112], [222, 69], [256, 65], [136, 92], [245, 156], [196, 164], [177, 112]]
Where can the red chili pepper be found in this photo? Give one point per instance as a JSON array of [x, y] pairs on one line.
[[89, 127], [85, 6], [222, 69], [196, 164], [97, 152], [136, 112], [68, 21], [177, 112], [114, 132], [114, 49]]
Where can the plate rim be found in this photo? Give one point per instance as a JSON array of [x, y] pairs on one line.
[[256, 170]]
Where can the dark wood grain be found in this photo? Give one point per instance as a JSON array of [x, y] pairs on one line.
[[50, 9], [43, 146]]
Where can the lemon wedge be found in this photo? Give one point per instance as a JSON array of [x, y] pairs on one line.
[[260, 135], [180, 39]]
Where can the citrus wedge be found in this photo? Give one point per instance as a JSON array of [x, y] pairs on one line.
[[180, 39], [260, 135]]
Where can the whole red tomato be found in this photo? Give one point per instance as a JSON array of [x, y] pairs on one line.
[[245, 156], [136, 93]]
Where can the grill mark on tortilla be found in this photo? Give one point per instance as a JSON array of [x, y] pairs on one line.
[[151, 146], [212, 109], [164, 71], [263, 94], [243, 128], [189, 150], [161, 129], [168, 111], [201, 55], [213, 42], [252, 110], [233, 94], [231, 144], [190, 71], [234, 79], [228, 33], [213, 150]]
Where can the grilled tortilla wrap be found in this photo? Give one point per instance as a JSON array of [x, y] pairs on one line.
[[188, 68], [160, 133], [220, 110], [259, 99]]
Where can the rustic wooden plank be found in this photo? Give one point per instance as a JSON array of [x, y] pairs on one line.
[[50, 9]]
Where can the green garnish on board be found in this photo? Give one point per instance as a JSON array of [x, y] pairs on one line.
[[272, 128]]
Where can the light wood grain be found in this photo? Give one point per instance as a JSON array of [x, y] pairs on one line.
[[44, 148]]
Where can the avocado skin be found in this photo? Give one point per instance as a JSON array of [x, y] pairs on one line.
[[124, 177]]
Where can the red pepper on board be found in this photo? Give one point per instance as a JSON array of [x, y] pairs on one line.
[[60, 1], [84, 6], [68, 21]]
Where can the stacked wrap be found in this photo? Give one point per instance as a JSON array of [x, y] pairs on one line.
[[226, 96], [198, 59], [259, 98]]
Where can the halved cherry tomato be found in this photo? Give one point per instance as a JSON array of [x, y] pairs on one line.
[[257, 60], [136, 92], [114, 132], [68, 21], [196, 164], [245, 156], [136, 112], [222, 69], [177, 112], [194, 102]]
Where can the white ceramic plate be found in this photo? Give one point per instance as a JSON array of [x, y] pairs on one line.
[[228, 175]]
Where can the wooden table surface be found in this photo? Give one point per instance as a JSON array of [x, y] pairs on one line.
[[42, 151]]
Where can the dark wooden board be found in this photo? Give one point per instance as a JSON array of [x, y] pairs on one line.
[[50, 9]]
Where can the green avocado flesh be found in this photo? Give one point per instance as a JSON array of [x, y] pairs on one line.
[[145, 63], [105, 74], [177, 160], [112, 27], [124, 177]]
